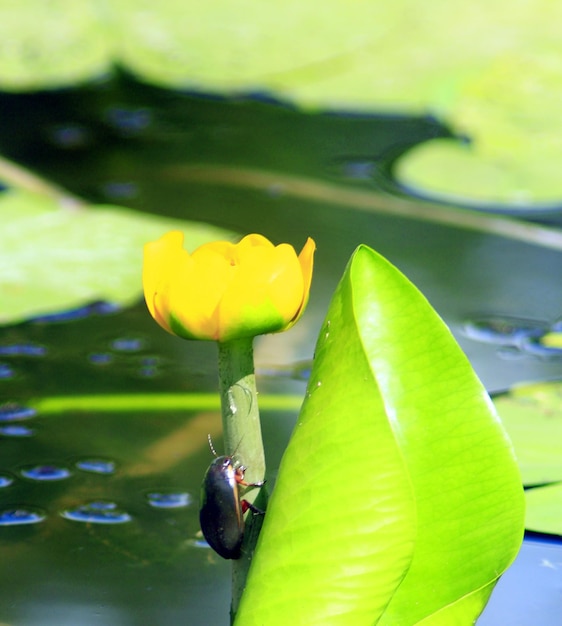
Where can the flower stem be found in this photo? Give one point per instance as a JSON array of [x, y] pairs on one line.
[[242, 438]]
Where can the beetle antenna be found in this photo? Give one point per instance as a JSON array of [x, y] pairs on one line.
[[211, 444]]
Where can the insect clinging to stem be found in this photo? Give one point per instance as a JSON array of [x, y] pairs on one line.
[[222, 510]]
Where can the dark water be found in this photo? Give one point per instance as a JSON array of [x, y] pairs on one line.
[[99, 506], [98, 502]]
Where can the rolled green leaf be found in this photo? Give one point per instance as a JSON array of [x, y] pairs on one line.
[[398, 500]]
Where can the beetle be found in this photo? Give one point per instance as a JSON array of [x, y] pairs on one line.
[[222, 511]]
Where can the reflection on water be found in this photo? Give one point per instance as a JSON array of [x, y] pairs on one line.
[[129, 121], [97, 513], [95, 308], [16, 430], [6, 480], [529, 593], [517, 337], [6, 371], [20, 516], [100, 507], [45, 472], [25, 349], [503, 330], [10, 411], [169, 500], [96, 466], [128, 344]]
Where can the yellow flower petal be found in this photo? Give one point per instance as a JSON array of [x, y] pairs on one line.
[[160, 260], [306, 260], [197, 290], [265, 292]]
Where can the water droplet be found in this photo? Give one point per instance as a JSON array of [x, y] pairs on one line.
[[200, 543], [12, 411], [6, 371], [69, 136], [149, 361], [97, 513], [45, 472], [16, 517], [101, 358], [120, 190], [6, 480], [130, 121], [276, 190], [16, 430], [510, 353], [128, 344], [160, 500], [23, 349], [96, 466], [503, 330], [357, 169], [150, 367], [148, 371]]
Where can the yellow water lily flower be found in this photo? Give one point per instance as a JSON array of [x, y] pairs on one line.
[[224, 291]]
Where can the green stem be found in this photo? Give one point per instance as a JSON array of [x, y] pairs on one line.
[[314, 190], [18, 176], [242, 437]]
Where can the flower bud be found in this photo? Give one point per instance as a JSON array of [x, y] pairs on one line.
[[225, 291]]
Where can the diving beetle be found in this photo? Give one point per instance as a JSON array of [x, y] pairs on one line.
[[222, 511]]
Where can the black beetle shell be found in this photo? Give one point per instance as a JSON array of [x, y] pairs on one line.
[[221, 518]]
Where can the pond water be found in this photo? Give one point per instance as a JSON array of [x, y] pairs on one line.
[[98, 488], [99, 499]]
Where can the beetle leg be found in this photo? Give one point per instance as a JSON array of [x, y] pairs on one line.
[[239, 476], [260, 483], [251, 507]]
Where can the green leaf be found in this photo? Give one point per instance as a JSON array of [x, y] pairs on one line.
[[533, 418], [52, 258], [398, 500]]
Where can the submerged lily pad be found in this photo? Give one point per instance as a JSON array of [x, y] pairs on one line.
[[54, 258]]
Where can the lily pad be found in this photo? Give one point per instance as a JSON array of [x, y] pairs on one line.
[[532, 415], [52, 44], [544, 509], [54, 258], [490, 70]]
